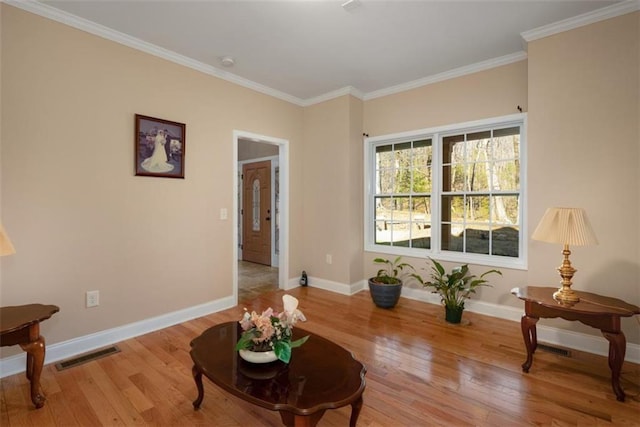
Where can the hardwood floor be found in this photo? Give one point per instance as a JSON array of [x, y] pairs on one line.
[[421, 371]]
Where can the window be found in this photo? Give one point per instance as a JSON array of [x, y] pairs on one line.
[[454, 192]]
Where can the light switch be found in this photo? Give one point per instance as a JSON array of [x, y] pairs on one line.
[[223, 213]]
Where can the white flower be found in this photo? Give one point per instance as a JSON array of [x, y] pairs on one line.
[[291, 309]]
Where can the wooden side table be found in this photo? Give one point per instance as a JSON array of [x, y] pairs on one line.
[[21, 325], [594, 310]]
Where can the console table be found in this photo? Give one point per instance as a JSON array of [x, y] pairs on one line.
[[21, 325], [594, 310]]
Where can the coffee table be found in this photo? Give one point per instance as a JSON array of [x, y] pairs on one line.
[[321, 375]]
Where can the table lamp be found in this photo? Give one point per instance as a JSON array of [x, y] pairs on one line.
[[6, 248], [567, 226]]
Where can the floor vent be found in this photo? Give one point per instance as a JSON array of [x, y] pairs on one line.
[[88, 357], [555, 350]]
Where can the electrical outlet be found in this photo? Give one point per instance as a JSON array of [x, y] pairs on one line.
[[93, 298], [328, 258]]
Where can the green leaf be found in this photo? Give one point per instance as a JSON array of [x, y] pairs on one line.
[[298, 343], [283, 350], [246, 339]]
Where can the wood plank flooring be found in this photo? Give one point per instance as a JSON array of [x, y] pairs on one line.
[[421, 371]]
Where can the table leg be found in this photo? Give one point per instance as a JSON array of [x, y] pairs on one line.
[[617, 349], [528, 325], [355, 411], [35, 360], [197, 376], [292, 420]]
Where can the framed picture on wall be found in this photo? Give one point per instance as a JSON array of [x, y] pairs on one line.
[[159, 146]]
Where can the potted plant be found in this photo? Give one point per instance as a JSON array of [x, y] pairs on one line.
[[386, 286], [454, 287]]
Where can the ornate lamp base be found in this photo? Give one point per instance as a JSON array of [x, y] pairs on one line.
[[566, 296]]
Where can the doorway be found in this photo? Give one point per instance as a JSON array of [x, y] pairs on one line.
[[256, 211], [251, 220]]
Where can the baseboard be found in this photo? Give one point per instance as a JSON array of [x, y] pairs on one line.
[[561, 337], [589, 343], [64, 350], [339, 288]]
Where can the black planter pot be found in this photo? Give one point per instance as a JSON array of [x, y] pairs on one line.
[[383, 295], [453, 315]]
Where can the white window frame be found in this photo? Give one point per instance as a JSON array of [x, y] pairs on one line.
[[436, 134]]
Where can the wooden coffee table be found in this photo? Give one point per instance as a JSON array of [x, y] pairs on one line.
[[321, 375]]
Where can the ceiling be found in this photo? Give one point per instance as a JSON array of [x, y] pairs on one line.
[[306, 49]]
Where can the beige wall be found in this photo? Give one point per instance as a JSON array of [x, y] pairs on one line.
[[333, 182], [79, 218], [326, 202], [355, 186], [583, 151], [490, 93]]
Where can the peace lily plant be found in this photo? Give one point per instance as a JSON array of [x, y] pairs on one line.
[[454, 287]]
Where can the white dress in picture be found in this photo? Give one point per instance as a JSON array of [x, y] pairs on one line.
[[158, 160]]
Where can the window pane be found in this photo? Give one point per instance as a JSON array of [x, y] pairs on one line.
[[454, 177], [506, 175], [484, 135], [402, 184], [422, 180], [383, 207], [478, 176], [381, 236], [505, 209], [421, 222], [400, 231], [402, 155], [421, 208], [505, 241], [453, 149], [401, 208], [477, 209], [477, 239], [451, 237], [512, 131], [384, 181], [453, 208], [422, 153], [384, 157], [255, 204], [506, 147]]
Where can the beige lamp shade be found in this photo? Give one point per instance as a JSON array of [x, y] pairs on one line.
[[6, 247], [567, 226]]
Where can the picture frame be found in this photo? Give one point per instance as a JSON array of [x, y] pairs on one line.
[[159, 147]]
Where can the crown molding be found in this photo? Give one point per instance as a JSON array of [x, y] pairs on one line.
[[581, 20], [347, 90], [135, 43], [124, 39], [456, 72]]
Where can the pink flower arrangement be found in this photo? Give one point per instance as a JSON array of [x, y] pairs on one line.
[[272, 331]]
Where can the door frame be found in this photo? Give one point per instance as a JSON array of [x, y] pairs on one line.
[[283, 160]]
